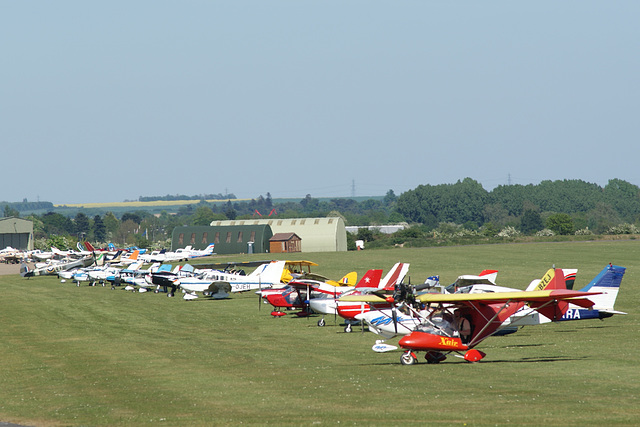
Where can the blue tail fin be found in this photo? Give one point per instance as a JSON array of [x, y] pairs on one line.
[[607, 282]]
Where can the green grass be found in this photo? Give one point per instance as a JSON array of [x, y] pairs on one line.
[[92, 356]]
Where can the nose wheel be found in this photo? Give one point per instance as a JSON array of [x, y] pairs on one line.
[[408, 358]]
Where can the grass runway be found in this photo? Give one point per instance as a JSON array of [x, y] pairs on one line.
[[94, 356]]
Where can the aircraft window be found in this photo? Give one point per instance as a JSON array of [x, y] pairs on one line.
[[204, 237], [293, 298], [440, 323]]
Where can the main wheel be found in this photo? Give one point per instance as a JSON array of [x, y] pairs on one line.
[[321, 322], [408, 359]]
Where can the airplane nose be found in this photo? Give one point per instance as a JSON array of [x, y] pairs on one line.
[[408, 341]]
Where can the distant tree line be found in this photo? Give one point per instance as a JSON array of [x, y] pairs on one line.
[[458, 212], [525, 207], [170, 197]]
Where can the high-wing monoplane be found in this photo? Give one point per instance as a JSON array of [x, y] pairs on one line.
[[457, 323], [298, 292]]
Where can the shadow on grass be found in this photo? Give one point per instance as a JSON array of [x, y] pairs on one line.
[[455, 361]]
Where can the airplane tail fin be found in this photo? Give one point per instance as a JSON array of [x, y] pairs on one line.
[[394, 276], [551, 280], [24, 270], [568, 274], [271, 273], [371, 279], [99, 259], [89, 247], [490, 275], [608, 283], [347, 280]]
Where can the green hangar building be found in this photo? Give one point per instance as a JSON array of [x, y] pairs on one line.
[[234, 236], [17, 233], [233, 239]]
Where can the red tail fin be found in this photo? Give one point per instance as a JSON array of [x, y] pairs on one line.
[[89, 247], [553, 279], [371, 279], [395, 276]]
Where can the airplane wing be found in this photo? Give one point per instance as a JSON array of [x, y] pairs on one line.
[[362, 298], [575, 297], [532, 297], [230, 264]]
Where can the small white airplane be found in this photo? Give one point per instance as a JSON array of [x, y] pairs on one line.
[[219, 282], [197, 253]]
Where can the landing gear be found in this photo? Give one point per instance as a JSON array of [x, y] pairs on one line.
[[408, 358], [347, 328], [321, 322], [434, 357]]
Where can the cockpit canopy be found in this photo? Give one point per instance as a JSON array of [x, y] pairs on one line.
[[441, 323]]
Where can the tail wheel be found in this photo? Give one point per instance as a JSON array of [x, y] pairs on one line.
[[408, 358]]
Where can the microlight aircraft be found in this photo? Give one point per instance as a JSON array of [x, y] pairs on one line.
[[457, 323]]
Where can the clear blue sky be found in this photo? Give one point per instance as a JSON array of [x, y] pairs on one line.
[[107, 101]]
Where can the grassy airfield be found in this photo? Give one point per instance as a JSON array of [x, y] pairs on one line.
[[95, 356]]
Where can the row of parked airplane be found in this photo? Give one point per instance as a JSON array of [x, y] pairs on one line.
[[454, 319], [428, 317]]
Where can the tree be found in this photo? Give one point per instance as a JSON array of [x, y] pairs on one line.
[[560, 223], [203, 216], [99, 229], [126, 232], [10, 212], [389, 198], [111, 224], [132, 216], [531, 222], [55, 223], [365, 234], [230, 212], [82, 225]]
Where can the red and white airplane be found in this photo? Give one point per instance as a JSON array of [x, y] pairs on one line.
[[297, 293], [349, 309], [459, 322]]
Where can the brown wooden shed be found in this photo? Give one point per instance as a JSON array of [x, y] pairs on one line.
[[285, 242]]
